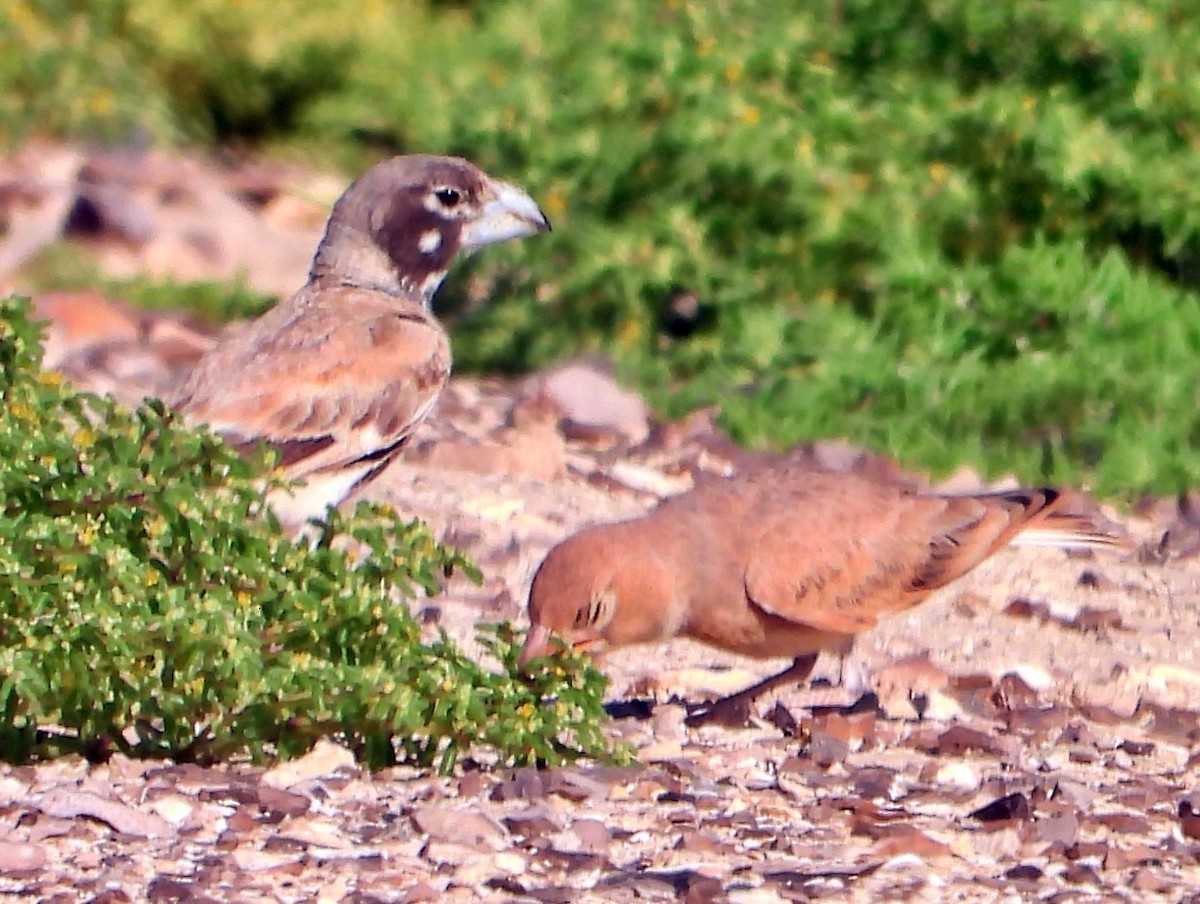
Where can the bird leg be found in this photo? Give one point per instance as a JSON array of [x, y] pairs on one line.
[[733, 711]]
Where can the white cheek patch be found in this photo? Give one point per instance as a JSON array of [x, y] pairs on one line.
[[430, 241]]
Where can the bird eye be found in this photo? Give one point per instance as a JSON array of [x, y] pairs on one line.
[[448, 197]]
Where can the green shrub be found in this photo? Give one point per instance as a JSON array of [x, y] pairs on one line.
[[127, 70], [923, 224], [148, 605], [952, 230]]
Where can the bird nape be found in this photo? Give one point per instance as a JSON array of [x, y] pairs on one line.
[[783, 561], [337, 377]]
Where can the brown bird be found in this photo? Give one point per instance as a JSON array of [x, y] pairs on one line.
[[339, 375], [781, 561]]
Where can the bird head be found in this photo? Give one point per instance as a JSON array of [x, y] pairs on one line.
[[597, 590], [400, 226], [572, 598]]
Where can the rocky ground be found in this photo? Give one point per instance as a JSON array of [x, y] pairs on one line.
[[1032, 733]]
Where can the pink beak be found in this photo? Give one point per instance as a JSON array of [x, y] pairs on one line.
[[537, 643]]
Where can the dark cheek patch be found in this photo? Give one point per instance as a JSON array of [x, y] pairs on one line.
[[400, 237]]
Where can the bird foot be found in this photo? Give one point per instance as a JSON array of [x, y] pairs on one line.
[[728, 712]]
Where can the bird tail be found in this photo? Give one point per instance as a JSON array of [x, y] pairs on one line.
[[1067, 520], [974, 526]]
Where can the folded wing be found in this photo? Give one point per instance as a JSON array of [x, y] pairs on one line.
[[348, 379], [852, 551]]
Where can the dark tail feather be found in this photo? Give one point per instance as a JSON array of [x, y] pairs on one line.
[[1069, 520]]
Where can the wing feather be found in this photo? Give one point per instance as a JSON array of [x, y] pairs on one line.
[[845, 551], [329, 378]]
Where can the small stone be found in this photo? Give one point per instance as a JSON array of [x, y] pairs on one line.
[[1061, 828], [658, 751], [175, 809], [1138, 748], [905, 861], [593, 835], [961, 739], [587, 395], [940, 707], [579, 784], [49, 827], [471, 784], [1025, 871], [1189, 820], [535, 822], [1034, 676], [525, 784], [280, 804], [459, 825], [169, 890], [20, 858], [252, 861], [421, 892], [1151, 880], [474, 871], [322, 761], [763, 895], [958, 776], [69, 804], [700, 842], [507, 861], [451, 852], [323, 833], [1171, 685], [1011, 806]]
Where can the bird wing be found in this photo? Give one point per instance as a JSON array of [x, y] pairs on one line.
[[843, 552], [346, 376]]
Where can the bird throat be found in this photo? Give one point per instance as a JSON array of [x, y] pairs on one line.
[[367, 267]]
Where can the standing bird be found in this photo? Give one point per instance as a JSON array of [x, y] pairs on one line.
[[338, 376], [780, 561]]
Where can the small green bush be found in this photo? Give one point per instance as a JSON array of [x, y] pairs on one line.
[[148, 605]]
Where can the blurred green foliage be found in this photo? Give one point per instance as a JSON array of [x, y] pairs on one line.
[[949, 229], [151, 606]]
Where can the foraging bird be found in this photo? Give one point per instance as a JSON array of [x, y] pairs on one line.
[[781, 561], [339, 375]]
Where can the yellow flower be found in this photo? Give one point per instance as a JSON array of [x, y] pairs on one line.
[[555, 204], [101, 103], [630, 332]]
